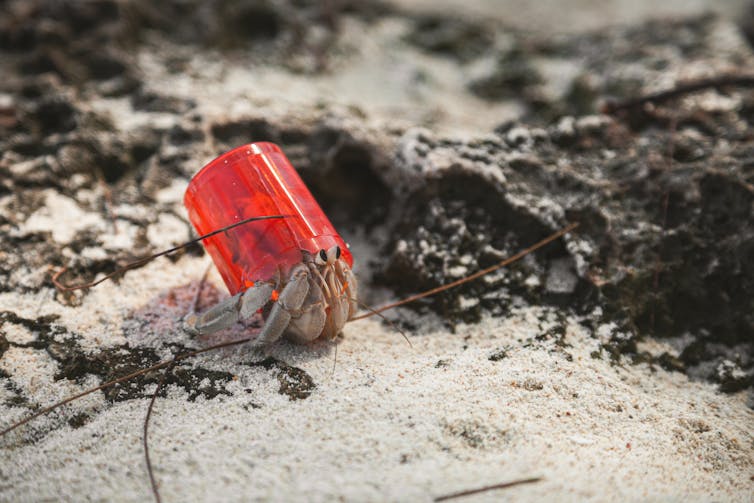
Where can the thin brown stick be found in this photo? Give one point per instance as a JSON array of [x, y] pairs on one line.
[[504, 485], [138, 263], [119, 380], [372, 312], [474, 276], [145, 438], [613, 107]]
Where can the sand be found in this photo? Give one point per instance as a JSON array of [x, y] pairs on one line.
[[485, 404], [529, 394]]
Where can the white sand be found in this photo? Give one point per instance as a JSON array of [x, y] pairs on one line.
[[390, 423]]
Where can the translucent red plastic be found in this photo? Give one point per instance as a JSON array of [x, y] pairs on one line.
[[257, 180]]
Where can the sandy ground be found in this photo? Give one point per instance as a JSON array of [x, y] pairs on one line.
[[483, 404], [486, 404]]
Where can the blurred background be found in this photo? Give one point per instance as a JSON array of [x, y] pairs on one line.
[[455, 66], [469, 129]]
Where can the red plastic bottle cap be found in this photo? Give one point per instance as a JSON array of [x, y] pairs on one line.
[[257, 180]]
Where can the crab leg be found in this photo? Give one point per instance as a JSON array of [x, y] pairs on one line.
[[226, 313], [290, 299]]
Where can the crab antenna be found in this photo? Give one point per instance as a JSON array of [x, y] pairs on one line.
[[378, 313], [138, 263], [190, 354], [474, 276]]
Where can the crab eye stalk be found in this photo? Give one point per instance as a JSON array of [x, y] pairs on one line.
[[322, 257], [333, 254]]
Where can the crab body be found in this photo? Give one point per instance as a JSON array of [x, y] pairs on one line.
[[296, 269]]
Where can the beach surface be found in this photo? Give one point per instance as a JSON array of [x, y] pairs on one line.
[[613, 365]]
